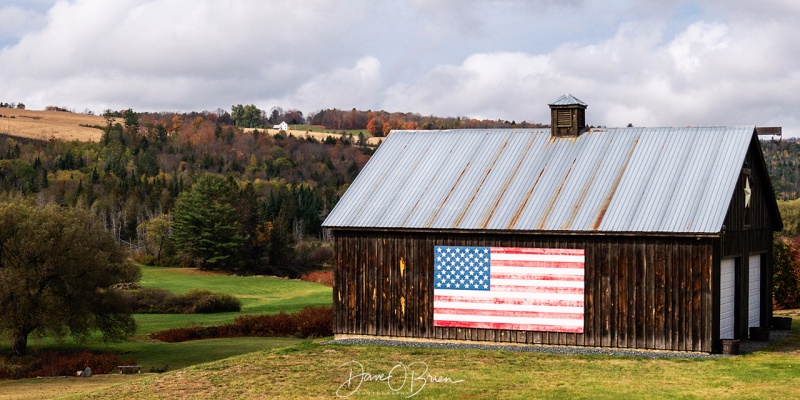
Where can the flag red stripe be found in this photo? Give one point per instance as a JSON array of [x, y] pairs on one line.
[[536, 264], [502, 300], [536, 251], [510, 275], [515, 327], [536, 289], [507, 313]]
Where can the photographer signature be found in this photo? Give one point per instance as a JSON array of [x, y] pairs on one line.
[[400, 379]]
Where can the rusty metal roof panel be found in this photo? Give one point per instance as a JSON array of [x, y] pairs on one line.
[[501, 170], [519, 184], [606, 180]]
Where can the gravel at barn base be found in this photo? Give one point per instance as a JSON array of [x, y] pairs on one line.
[[746, 347]]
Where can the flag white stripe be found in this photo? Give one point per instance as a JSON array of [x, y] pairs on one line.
[[507, 307], [510, 320]]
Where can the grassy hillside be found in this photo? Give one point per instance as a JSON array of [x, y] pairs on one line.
[[50, 124], [315, 370], [320, 133]]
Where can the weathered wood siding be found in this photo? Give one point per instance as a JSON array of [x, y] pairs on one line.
[[648, 293]]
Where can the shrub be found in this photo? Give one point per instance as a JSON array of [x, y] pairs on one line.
[[65, 364], [19, 368], [144, 259], [313, 254], [786, 273], [147, 300], [306, 323], [205, 302], [323, 277], [196, 301], [315, 321]]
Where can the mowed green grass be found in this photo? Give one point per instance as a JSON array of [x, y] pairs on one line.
[[259, 295], [318, 370]]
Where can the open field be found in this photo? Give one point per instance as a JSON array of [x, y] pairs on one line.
[[317, 370], [45, 125], [318, 135]]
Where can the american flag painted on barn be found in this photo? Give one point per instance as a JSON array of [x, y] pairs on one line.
[[525, 289]]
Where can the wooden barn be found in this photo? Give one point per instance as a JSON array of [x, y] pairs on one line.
[[646, 238]]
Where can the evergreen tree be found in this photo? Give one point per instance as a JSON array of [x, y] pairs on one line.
[[206, 225]]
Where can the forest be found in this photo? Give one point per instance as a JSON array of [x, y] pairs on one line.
[[152, 179], [277, 188]]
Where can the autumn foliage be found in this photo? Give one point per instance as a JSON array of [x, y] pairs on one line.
[[786, 274], [51, 363], [323, 277], [306, 323]]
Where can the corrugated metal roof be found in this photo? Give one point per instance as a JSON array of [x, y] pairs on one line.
[[605, 180], [567, 100]]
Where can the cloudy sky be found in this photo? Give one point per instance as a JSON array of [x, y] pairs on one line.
[[654, 63]]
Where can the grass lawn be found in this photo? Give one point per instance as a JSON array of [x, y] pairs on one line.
[[315, 370], [259, 295]]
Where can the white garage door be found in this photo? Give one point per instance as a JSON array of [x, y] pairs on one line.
[[727, 296], [754, 297]]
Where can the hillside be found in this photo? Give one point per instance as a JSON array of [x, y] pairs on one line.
[[45, 125], [783, 163], [321, 136], [782, 157]]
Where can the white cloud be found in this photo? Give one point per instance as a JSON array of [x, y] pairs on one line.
[[358, 87], [709, 73], [661, 63], [208, 51], [697, 42], [15, 21]]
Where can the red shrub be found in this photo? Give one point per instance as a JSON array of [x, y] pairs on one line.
[[315, 321], [61, 364], [308, 322], [323, 277]]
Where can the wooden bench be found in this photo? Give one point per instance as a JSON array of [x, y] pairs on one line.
[[128, 369]]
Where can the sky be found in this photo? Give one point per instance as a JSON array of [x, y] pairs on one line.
[[654, 63]]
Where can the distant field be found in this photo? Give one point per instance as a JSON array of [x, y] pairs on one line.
[[319, 133], [46, 125]]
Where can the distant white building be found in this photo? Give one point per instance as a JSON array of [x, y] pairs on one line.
[[283, 126]]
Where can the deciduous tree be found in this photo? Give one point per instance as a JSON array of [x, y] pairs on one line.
[[57, 266]]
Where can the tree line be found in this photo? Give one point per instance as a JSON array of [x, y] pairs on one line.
[[783, 163], [377, 123], [146, 174]]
